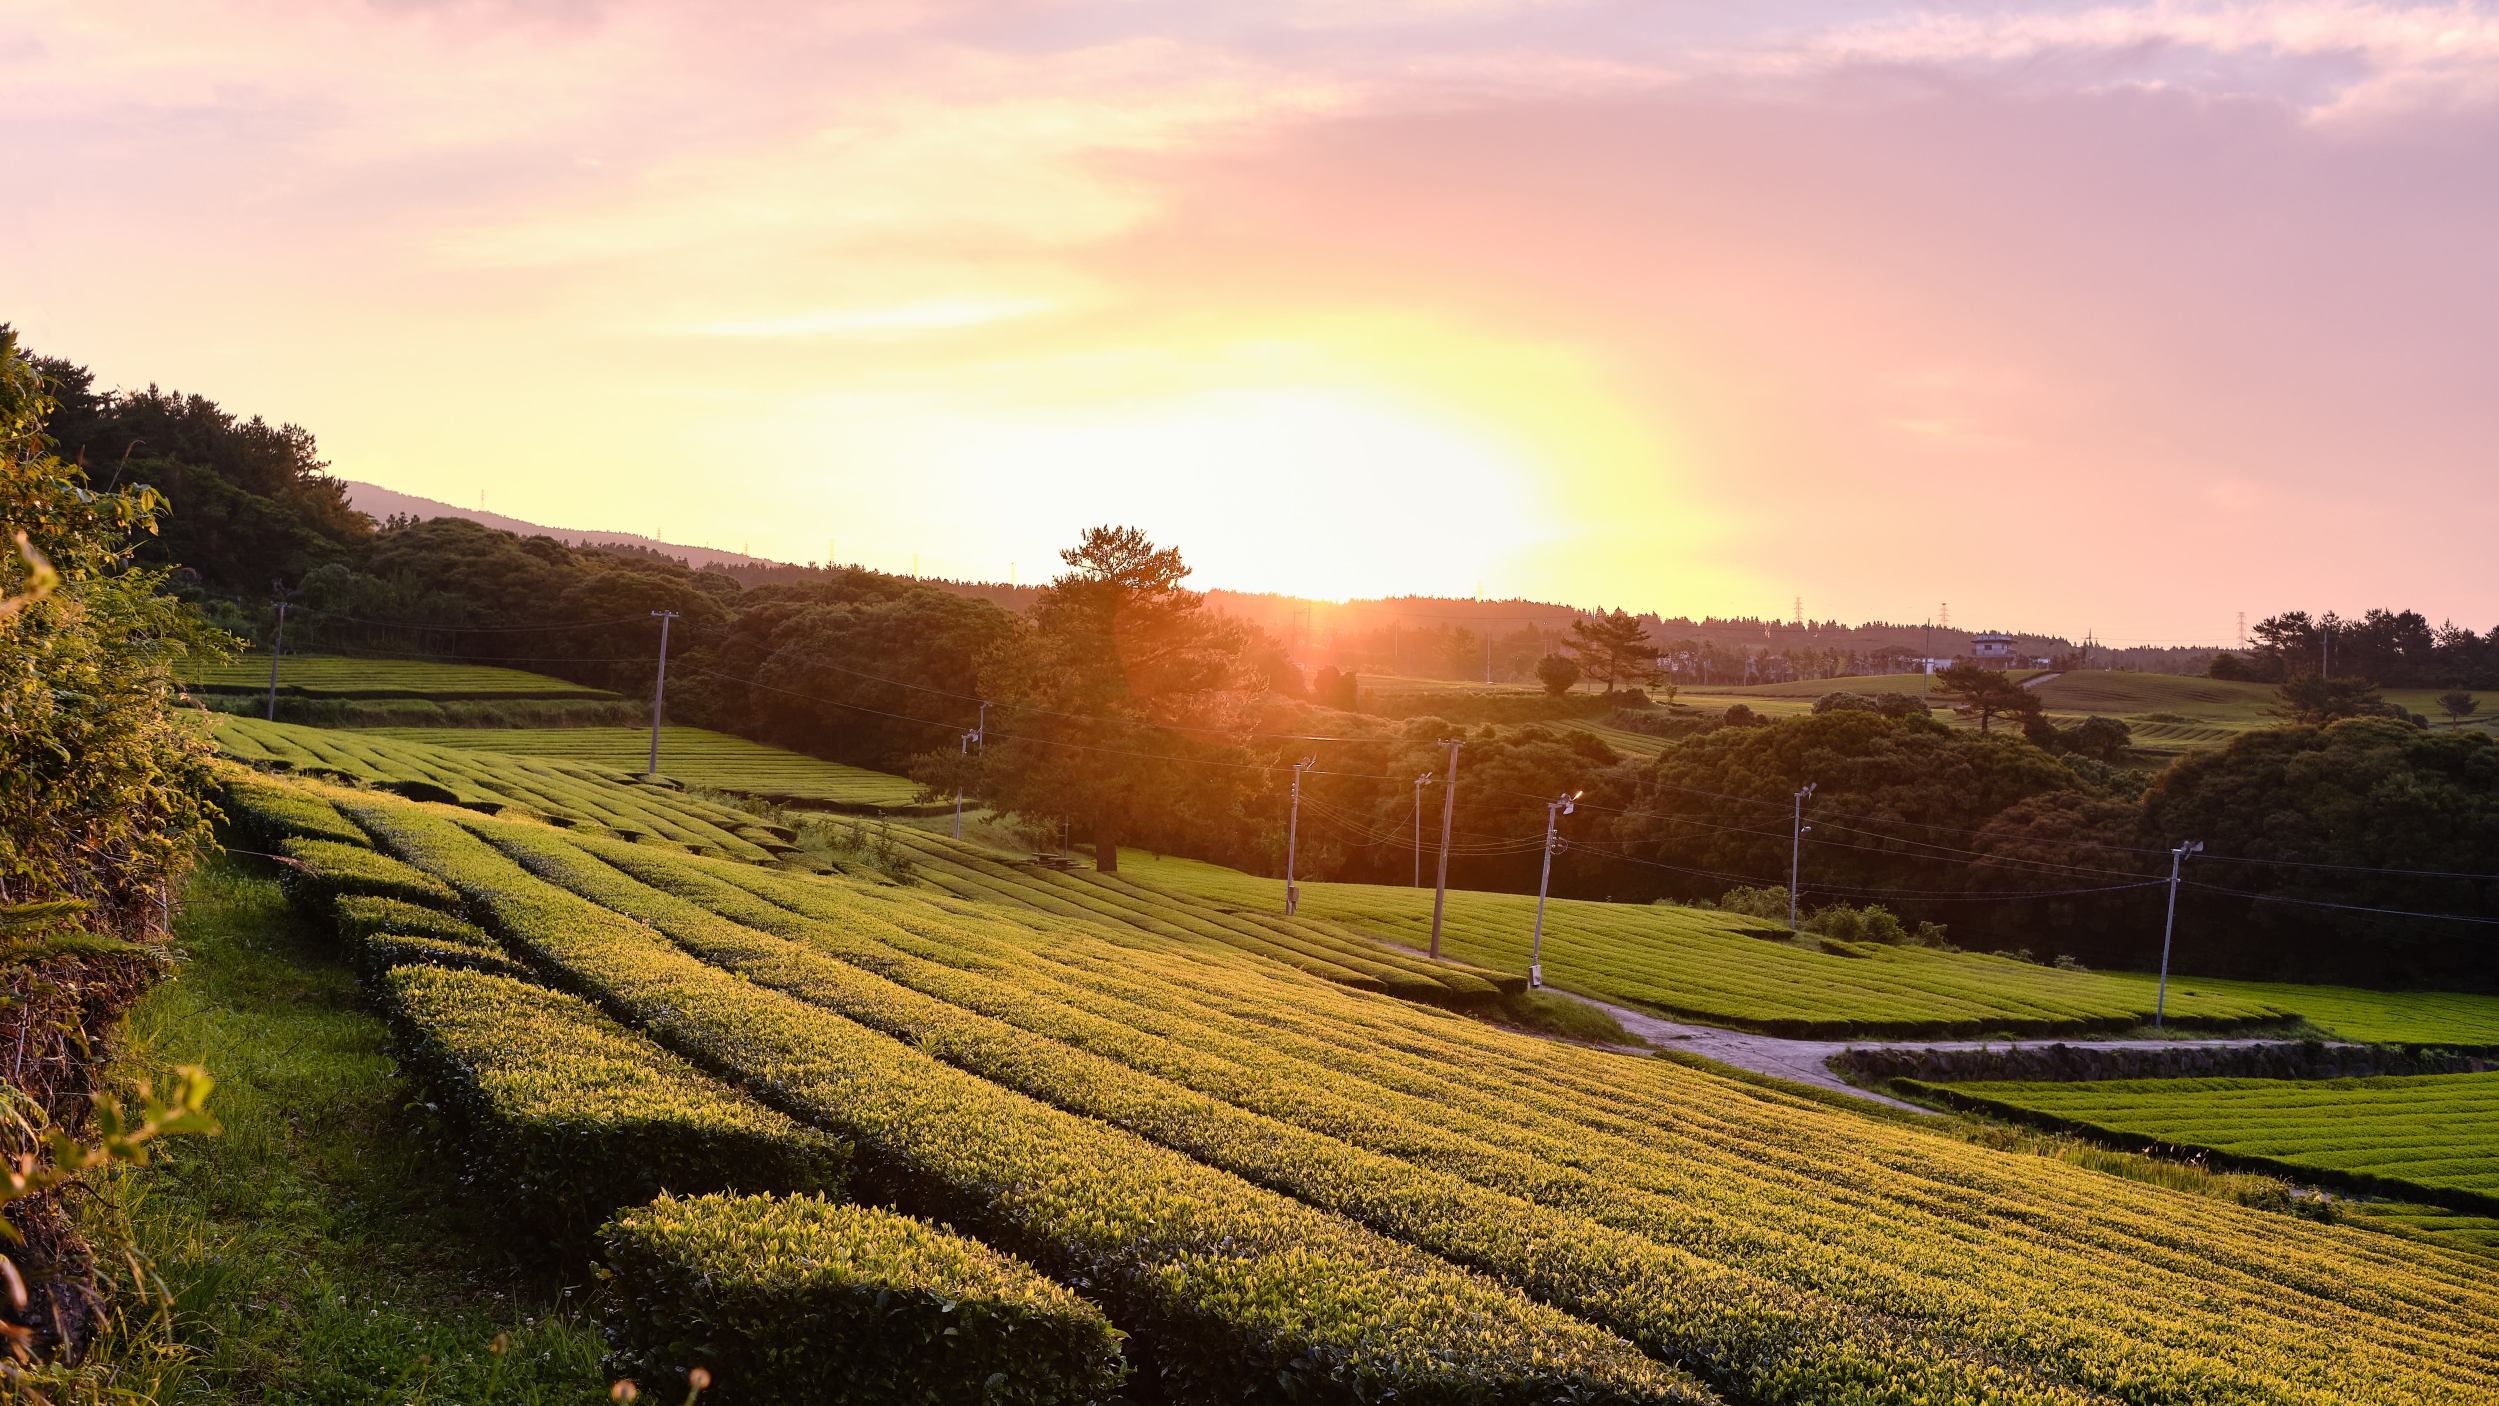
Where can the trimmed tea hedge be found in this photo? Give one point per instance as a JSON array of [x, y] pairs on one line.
[[387, 950], [782, 1299], [361, 917], [265, 815], [387, 932], [1241, 1293], [332, 870], [1122, 1108], [573, 1116]]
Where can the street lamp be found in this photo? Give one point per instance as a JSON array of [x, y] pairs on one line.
[[1556, 808]]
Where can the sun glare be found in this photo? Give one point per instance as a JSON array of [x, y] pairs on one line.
[[1321, 492]]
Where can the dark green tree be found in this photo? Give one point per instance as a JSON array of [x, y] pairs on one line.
[[1122, 702], [2314, 699], [1612, 646], [1557, 672], [2458, 704], [1986, 694]]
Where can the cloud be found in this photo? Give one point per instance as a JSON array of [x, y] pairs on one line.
[[2378, 59]]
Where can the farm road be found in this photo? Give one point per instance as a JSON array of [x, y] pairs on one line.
[[1808, 1061]]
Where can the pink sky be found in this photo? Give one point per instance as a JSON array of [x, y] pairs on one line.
[[2120, 318]]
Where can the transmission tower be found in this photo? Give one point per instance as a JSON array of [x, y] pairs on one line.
[[1800, 612], [1943, 615], [2242, 629]]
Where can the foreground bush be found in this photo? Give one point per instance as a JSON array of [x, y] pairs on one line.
[[783, 1299], [571, 1115]]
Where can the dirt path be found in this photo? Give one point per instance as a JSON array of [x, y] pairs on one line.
[[1808, 1061]]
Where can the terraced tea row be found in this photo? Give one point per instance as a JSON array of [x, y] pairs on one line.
[[1322, 949], [334, 676], [692, 755], [1709, 966], [1228, 1282], [2429, 1137], [563, 793], [1785, 1250]]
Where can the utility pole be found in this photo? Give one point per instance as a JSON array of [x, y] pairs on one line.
[[659, 687], [277, 650], [1419, 783], [963, 754], [1292, 836], [970, 740], [1797, 830], [1488, 653], [2169, 925], [1559, 806], [1448, 812]]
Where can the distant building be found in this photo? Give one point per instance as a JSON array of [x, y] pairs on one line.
[[1995, 652]]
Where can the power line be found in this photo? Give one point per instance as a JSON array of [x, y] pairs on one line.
[[2345, 907]]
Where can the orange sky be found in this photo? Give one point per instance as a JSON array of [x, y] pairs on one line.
[[2110, 317]]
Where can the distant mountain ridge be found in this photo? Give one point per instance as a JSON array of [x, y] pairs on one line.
[[1395, 634], [380, 503]]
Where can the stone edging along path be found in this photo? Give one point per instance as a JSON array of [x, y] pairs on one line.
[[1808, 1061]]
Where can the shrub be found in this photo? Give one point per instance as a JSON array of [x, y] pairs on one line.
[[778, 1298], [328, 869], [266, 815], [383, 951], [361, 916], [571, 1115], [1755, 902]]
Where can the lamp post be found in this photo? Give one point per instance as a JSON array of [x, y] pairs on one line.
[[1554, 809], [2169, 925], [1796, 848]]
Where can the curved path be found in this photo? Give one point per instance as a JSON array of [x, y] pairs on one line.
[[1808, 1061]]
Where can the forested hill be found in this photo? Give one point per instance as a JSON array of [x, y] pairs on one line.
[[382, 504]]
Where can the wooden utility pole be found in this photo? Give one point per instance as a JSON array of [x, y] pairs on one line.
[[1448, 814]]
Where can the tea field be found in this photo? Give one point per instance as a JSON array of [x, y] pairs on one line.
[[561, 793], [1324, 949], [2427, 1137], [336, 676], [696, 756], [1724, 969], [1259, 1175]]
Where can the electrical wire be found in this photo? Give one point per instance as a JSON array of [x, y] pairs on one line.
[[2344, 907]]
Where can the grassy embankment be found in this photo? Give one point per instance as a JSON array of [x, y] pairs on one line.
[[321, 1248]]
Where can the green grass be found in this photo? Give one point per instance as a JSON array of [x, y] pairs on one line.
[[693, 755], [2426, 1137], [1713, 967], [320, 1249], [336, 676], [2451, 1019]]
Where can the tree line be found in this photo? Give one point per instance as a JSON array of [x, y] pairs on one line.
[[2391, 648]]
